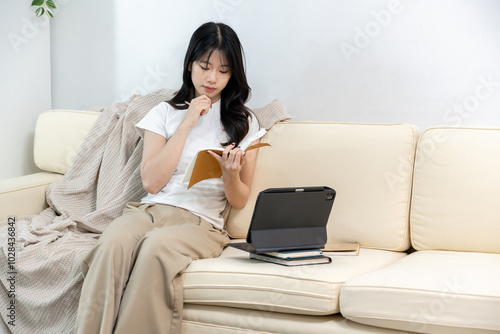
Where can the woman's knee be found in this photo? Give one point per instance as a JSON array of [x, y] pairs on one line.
[[177, 241], [160, 245], [154, 240], [125, 231], [112, 245]]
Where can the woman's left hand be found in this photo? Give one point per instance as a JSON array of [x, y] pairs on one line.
[[237, 172], [231, 161]]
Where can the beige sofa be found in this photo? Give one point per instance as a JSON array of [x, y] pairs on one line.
[[425, 209]]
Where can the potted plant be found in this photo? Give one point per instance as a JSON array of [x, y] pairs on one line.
[[44, 7]]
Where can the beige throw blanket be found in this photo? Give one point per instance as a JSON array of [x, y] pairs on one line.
[[104, 176]]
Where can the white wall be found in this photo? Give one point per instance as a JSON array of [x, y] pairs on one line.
[[25, 87], [421, 62], [83, 38]]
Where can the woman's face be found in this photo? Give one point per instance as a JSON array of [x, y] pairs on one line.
[[210, 76]]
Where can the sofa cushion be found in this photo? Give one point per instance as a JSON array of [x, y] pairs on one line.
[[429, 292], [369, 166], [237, 281], [456, 191], [200, 319], [271, 113], [58, 136]]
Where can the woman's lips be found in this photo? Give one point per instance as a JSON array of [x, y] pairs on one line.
[[209, 89]]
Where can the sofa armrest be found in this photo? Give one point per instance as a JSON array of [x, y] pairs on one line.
[[24, 195]]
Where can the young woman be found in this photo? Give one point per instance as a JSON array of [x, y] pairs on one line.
[[133, 281]]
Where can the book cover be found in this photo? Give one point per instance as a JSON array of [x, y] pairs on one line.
[[321, 259], [204, 166], [342, 248], [294, 254]]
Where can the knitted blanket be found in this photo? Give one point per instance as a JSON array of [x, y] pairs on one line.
[[42, 293]]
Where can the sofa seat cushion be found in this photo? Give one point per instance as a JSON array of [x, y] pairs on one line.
[[235, 280], [203, 319], [429, 292]]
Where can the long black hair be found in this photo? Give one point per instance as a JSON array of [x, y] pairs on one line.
[[208, 38]]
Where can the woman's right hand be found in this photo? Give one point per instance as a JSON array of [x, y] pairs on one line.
[[198, 107]]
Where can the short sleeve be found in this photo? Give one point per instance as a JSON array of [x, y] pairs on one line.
[[155, 121], [254, 132]]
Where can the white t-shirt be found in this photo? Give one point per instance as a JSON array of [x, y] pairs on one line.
[[205, 199]]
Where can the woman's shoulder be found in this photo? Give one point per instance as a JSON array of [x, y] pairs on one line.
[[169, 108], [164, 109], [154, 120], [160, 109], [162, 106]]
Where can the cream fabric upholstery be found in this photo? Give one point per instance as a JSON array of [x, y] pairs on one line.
[[429, 292], [24, 195], [58, 136], [456, 195], [237, 281], [370, 167], [448, 286], [199, 319]]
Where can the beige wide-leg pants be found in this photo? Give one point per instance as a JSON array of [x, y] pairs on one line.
[[133, 281]]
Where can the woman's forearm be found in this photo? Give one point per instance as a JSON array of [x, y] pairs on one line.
[[157, 170], [237, 192], [161, 157], [237, 182]]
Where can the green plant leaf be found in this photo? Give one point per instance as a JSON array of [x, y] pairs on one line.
[[51, 4], [37, 3], [50, 14], [40, 11]]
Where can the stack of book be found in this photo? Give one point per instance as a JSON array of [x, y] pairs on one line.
[[293, 257], [308, 256]]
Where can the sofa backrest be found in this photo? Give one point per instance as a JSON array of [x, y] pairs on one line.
[[456, 194], [369, 166], [58, 136]]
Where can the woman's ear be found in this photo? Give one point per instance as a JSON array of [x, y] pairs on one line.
[[190, 66]]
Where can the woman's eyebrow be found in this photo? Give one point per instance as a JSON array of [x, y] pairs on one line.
[[209, 63]]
